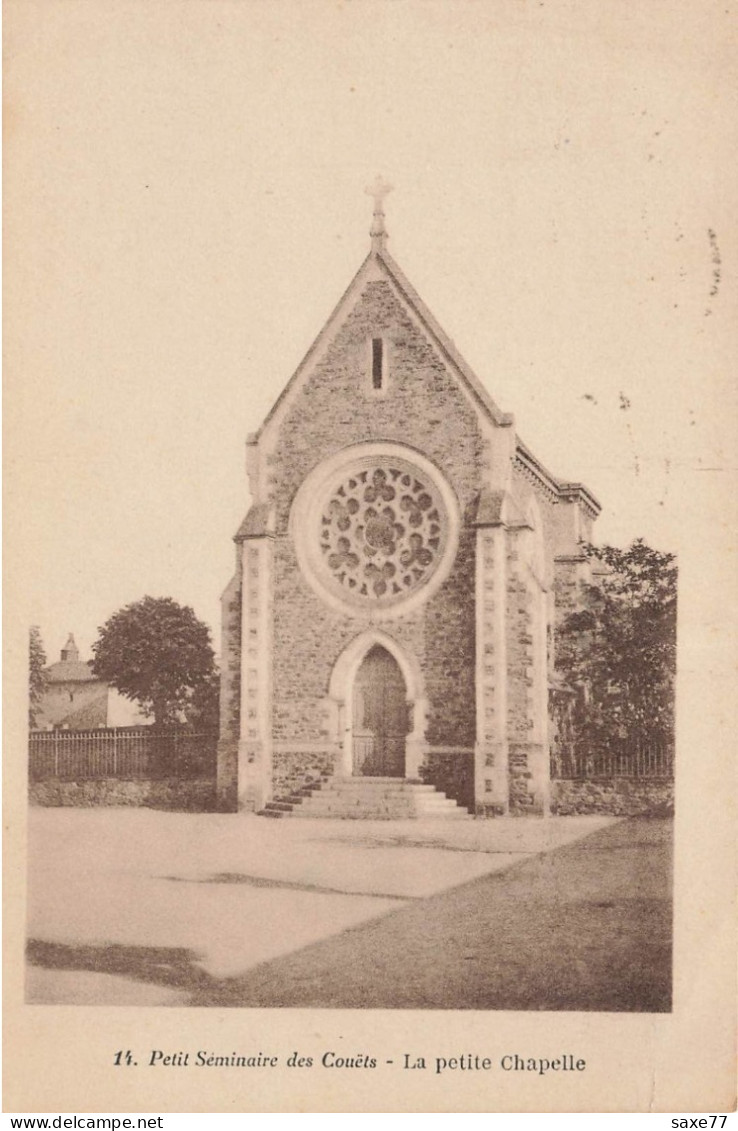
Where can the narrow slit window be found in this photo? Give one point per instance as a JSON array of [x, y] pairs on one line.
[[377, 363]]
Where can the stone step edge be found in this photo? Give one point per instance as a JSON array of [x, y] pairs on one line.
[[371, 815], [431, 800], [370, 786], [369, 778], [448, 807]]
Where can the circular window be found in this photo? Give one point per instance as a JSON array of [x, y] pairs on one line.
[[375, 530]]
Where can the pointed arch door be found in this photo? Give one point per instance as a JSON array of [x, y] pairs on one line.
[[380, 716]]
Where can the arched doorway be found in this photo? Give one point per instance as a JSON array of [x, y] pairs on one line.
[[380, 716]]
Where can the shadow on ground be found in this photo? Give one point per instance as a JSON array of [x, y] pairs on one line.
[[586, 927], [173, 967], [284, 885]]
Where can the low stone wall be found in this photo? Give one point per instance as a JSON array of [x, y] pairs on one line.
[[452, 772], [617, 797], [165, 793]]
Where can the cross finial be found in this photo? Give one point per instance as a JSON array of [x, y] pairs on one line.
[[378, 190]]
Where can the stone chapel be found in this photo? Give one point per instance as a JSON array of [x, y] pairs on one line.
[[399, 573]]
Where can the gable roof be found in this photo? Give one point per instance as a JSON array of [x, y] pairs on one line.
[[465, 374]]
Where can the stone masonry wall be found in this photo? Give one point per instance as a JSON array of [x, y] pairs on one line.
[[525, 486], [296, 768], [619, 797], [519, 650], [520, 659], [167, 793], [424, 405], [567, 589], [230, 690], [423, 408], [230, 661]]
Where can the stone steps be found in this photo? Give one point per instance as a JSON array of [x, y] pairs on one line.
[[283, 806], [365, 798]]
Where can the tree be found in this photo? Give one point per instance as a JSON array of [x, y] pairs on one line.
[[36, 674], [619, 649], [158, 653], [202, 711]]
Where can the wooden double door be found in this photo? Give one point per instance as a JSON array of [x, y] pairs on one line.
[[380, 716]]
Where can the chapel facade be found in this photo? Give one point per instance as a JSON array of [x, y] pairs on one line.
[[400, 572]]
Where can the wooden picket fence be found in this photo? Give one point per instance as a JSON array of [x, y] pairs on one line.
[[120, 752]]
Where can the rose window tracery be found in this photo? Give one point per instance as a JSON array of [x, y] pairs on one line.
[[382, 532]]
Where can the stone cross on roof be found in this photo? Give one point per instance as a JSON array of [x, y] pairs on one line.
[[378, 190]]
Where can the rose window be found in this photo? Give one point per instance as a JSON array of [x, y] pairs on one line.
[[382, 532]]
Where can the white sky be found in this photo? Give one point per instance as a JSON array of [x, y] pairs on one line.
[[185, 192]]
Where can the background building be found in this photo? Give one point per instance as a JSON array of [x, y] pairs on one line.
[[75, 699]]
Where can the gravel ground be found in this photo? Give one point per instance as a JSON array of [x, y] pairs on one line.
[[139, 907]]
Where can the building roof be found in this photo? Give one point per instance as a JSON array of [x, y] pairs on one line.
[[255, 524], [70, 671]]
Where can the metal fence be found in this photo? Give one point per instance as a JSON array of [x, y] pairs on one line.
[[120, 752], [620, 760]]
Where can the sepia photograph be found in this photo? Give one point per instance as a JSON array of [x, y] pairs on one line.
[[364, 372], [420, 643]]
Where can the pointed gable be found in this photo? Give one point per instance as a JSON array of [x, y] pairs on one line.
[[379, 267], [378, 289], [377, 374]]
